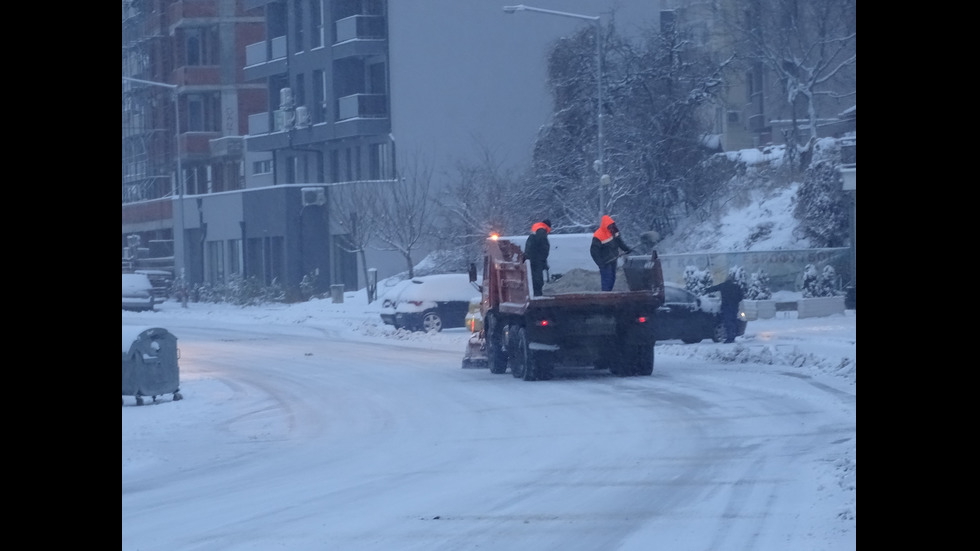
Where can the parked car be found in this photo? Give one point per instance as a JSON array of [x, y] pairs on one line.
[[690, 318], [137, 292], [388, 299], [429, 303], [161, 280]]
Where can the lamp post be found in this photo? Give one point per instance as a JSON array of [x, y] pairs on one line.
[[599, 163], [178, 251]]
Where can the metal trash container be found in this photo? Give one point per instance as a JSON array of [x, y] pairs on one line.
[[639, 272], [337, 293], [149, 363]]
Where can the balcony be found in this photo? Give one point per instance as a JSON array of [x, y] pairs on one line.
[[362, 106], [361, 27], [191, 9], [197, 75], [258, 124], [228, 146], [197, 143], [256, 53]]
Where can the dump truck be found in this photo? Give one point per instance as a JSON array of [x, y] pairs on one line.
[[573, 325]]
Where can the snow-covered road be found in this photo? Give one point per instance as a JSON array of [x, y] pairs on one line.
[[294, 436]]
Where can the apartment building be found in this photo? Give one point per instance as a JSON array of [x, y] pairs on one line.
[[185, 104], [283, 103]]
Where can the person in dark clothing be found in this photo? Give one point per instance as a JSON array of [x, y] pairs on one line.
[[606, 244], [731, 296], [536, 250]]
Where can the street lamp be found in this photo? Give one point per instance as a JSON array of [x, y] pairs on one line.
[[178, 251], [599, 164]]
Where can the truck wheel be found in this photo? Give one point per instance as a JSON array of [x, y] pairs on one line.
[[496, 359], [644, 361], [516, 353], [524, 358], [620, 362]]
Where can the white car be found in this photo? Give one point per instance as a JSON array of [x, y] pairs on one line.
[[429, 303], [137, 292]]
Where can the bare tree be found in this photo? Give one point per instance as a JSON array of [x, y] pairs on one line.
[[405, 213], [810, 46], [354, 208], [483, 198]]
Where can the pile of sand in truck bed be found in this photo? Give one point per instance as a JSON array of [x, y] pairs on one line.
[[577, 280]]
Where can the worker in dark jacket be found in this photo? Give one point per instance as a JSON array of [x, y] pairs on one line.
[[536, 250], [606, 244], [731, 296]]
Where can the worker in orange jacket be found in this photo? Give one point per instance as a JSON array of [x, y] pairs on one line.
[[606, 244], [536, 250]]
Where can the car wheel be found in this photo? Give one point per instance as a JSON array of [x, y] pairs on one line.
[[431, 322], [719, 333]]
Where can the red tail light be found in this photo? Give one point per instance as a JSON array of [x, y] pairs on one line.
[[641, 319], [542, 323]]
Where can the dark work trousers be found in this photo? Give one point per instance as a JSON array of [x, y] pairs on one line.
[[537, 279], [607, 275], [729, 316]]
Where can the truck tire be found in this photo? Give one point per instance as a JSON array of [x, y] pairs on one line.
[[516, 354], [496, 358], [524, 358], [644, 361]]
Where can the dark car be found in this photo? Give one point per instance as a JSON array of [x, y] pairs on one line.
[[429, 303], [690, 318]]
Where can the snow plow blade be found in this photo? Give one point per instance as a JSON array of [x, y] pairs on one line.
[[476, 353]]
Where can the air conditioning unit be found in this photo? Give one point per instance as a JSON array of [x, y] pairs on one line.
[[302, 117], [286, 98], [314, 196]]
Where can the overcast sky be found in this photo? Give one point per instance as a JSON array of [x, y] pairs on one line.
[[466, 75]]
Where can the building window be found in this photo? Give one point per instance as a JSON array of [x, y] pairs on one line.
[[262, 167], [203, 112], [316, 16], [319, 108], [299, 94], [291, 166], [215, 262], [334, 166], [298, 14], [379, 163], [199, 44], [234, 256]]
